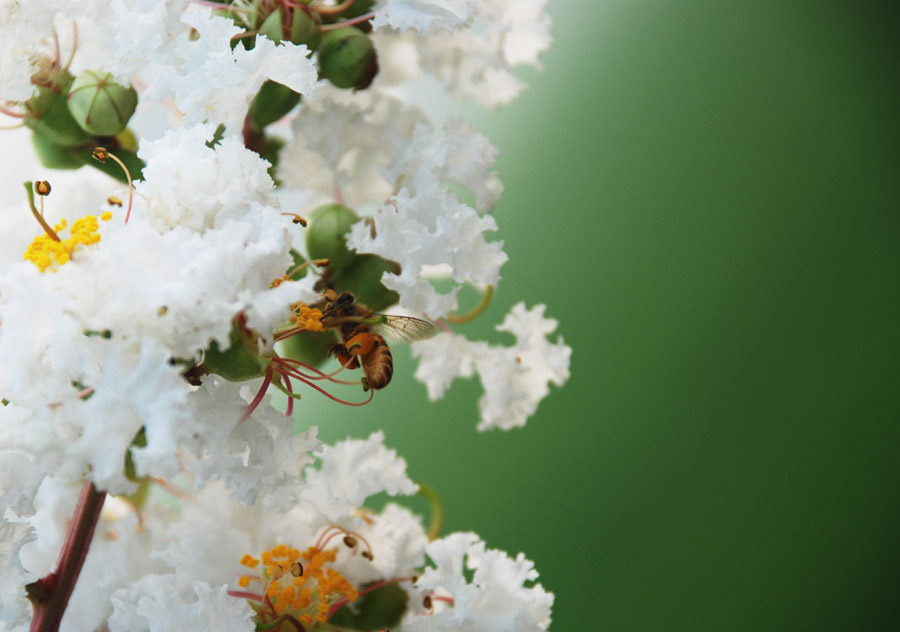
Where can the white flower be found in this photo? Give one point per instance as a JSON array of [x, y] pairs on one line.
[[260, 459], [479, 59], [345, 144], [496, 600], [515, 379], [141, 33], [421, 14], [25, 28], [431, 228], [353, 470], [13, 576], [165, 607], [191, 185], [211, 83], [97, 351]]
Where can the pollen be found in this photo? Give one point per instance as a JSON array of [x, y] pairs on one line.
[[106, 216], [44, 251], [361, 344], [309, 591], [306, 317]]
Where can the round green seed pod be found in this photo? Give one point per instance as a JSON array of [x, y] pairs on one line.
[[326, 236], [364, 281], [347, 58], [99, 105]]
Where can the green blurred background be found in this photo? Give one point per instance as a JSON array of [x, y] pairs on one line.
[[705, 195]]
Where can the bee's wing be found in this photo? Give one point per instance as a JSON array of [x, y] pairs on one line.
[[404, 328]]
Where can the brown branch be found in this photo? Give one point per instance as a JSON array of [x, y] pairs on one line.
[[49, 595]]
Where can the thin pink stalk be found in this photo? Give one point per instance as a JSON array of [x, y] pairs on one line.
[[339, 25], [241, 594], [289, 411], [330, 396], [259, 397], [321, 375]]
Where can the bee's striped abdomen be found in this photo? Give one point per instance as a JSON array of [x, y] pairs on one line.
[[378, 364]]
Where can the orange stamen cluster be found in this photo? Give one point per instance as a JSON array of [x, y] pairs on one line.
[[306, 317], [44, 251], [306, 591]]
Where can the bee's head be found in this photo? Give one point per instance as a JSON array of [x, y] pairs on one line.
[[344, 299]]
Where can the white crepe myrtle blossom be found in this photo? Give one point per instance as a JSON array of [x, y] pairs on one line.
[[515, 378], [145, 322], [474, 48]]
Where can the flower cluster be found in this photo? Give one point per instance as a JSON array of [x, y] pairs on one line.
[[277, 191]]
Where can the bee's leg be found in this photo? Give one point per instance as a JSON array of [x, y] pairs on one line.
[[347, 360]]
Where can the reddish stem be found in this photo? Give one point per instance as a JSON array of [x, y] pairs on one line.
[[339, 25], [49, 595], [242, 594]]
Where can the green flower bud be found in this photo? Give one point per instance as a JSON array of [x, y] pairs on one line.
[[49, 116], [326, 236], [310, 347], [347, 58], [273, 101], [364, 281], [100, 105], [304, 29], [273, 26], [55, 156]]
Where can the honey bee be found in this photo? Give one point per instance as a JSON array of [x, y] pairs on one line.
[[363, 332]]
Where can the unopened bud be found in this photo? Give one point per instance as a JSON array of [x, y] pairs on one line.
[[273, 26], [326, 236], [347, 58], [99, 105], [304, 30], [363, 279], [49, 117]]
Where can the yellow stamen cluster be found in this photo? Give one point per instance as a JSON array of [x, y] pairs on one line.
[[45, 250], [306, 317], [306, 591]]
